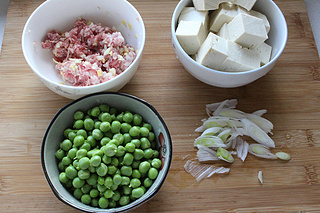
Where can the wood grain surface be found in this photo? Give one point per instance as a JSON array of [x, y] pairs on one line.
[[290, 93]]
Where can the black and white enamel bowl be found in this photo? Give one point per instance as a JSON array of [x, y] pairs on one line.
[[64, 119]]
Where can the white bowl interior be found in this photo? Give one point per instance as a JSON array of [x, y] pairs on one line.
[[277, 39], [64, 119], [60, 15]]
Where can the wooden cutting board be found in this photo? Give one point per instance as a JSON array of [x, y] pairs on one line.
[[290, 93]]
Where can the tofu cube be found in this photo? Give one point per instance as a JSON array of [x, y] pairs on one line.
[[244, 59], [263, 17], [247, 30], [264, 51], [223, 32], [213, 52], [205, 5], [191, 14], [247, 4], [225, 13], [191, 35]]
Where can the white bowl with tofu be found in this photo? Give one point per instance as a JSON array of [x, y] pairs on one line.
[[227, 44]]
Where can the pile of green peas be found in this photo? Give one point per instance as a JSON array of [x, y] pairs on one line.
[[108, 158]]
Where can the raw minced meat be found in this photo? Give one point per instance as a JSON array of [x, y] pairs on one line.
[[89, 53]]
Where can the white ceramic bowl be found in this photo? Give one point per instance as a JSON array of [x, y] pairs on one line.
[[60, 15], [64, 119], [277, 39]]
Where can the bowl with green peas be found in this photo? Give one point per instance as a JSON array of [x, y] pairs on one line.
[[106, 152]]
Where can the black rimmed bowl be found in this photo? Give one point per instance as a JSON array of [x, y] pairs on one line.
[[64, 119]]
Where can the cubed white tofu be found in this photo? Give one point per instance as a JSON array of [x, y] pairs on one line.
[[203, 5], [213, 52], [225, 13], [247, 30], [191, 14], [247, 4], [248, 59], [263, 17], [264, 51], [191, 35], [223, 32]]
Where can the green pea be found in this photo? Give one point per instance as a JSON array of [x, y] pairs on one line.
[[83, 133], [103, 202], [104, 108], [92, 169], [63, 177], [126, 190], [60, 154], [72, 135], [78, 140], [97, 124], [152, 173], [151, 136], [66, 161], [112, 203], [138, 192], [112, 169], [148, 126], [106, 117], [116, 196], [95, 160], [101, 188], [84, 163], [77, 193], [125, 180], [94, 202], [128, 117], [97, 134], [135, 183], [75, 164], [144, 131], [117, 179], [81, 153], [84, 174], [145, 143], [105, 126], [98, 152], [71, 172], [104, 141], [114, 187], [78, 124], [102, 169], [115, 127], [66, 132], [137, 119], [130, 147], [156, 163], [125, 127], [113, 110], [95, 111], [108, 182], [119, 137], [92, 180], [126, 170], [66, 145], [134, 131], [78, 183], [61, 167], [127, 138], [144, 167], [148, 153], [136, 142], [94, 193], [106, 159], [138, 154], [135, 164], [91, 141], [136, 173], [86, 199], [124, 200], [88, 124], [155, 153], [78, 115], [72, 153], [85, 146], [114, 161], [120, 117], [120, 151], [127, 159], [110, 149], [114, 141], [86, 188], [108, 193], [147, 182]]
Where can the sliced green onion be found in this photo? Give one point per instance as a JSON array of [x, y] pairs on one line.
[[283, 156], [261, 151], [224, 155], [209, 141]]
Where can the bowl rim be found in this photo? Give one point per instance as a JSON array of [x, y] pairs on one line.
[[175, 42], [156, 113], [136, 60]]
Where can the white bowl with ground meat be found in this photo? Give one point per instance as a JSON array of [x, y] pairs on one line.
[[76, 48]]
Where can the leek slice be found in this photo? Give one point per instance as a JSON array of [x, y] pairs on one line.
[[232, 113], [261, 151], [224, 155], [209, 141], [257, 134], [206, 154], [211, 131], [283, 156], [224, 134], [263, 123]]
